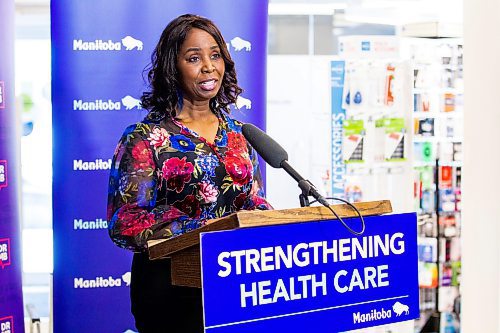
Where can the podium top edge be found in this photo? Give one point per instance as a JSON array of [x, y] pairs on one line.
[[165, 247]]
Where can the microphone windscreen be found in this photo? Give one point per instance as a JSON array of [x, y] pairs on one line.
[[269, 149]]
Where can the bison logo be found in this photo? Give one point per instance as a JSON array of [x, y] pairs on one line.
[[243, 102], [399, 308], [131, 43], [126, 278], [129, 102], [240, 44]]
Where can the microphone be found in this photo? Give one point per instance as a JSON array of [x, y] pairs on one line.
[[277, 157]]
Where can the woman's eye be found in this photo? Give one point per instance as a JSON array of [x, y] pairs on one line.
[[193, 59], [216, 56]]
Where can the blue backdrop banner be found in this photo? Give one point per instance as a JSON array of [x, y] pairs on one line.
[[99, 52], [296, 277], [11, 299]]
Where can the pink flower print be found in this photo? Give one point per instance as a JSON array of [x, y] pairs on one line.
[[143, 158], [238, 167], [172, 214], [158, 137], [134, 220], [208, 192], [260, 201], [177, 172]]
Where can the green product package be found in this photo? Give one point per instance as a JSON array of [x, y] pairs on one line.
[[353, 142], [394, 143]]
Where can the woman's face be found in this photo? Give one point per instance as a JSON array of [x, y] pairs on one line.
[[200, 65]]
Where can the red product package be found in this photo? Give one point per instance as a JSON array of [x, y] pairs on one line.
[[445, 177]]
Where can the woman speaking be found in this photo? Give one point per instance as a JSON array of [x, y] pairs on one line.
[[185, 163]]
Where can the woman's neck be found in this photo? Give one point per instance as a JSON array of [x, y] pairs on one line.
[[193, 111]]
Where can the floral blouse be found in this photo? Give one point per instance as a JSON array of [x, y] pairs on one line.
[[166, 180]]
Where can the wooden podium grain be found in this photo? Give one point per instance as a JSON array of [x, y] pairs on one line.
[[184, 250]]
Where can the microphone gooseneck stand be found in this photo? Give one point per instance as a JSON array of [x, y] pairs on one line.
[[277, 157], [309, 190]]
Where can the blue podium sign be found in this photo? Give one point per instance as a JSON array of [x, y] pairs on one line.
[[295, 277]]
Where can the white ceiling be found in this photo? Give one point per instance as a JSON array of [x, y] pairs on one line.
[[399, 12], [32, 19], [33, 15]]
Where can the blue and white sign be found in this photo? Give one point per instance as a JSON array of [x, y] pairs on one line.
[[338, 117], [11, 293], [290, 278], [99, 51]]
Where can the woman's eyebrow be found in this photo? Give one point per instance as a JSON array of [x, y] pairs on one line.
[[193, 49]]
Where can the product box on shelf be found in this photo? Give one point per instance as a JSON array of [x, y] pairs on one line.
[[427, 274], [394, 132], [353, 142], [427, 249], [447, 200]]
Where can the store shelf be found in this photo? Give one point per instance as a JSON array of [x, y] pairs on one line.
[[436, 139], [426, 114], [434, 29], [439, 90], [437, 182], [419, 164]]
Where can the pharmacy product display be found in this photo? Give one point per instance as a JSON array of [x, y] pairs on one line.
[[401, 109], [438, 136], [372, 119], [373, 100]]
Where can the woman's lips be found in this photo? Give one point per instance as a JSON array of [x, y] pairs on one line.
[[208, 85]]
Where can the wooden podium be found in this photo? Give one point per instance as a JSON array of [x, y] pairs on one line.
[[184, 250]]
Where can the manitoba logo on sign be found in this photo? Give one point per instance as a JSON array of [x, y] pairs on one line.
[[127, 43], [4, 252], [128, 102], [97, 224], [98, 164], [240, 44], [102, 282], [242, 102], [400, 308], [3, 174], [7, 324], [378, 314]]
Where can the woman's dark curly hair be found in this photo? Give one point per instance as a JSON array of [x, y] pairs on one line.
[[163, 75]]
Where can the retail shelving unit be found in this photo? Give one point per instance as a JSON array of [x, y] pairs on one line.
[[377, 131], [376, 134], [429, 113], [438, 136]]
